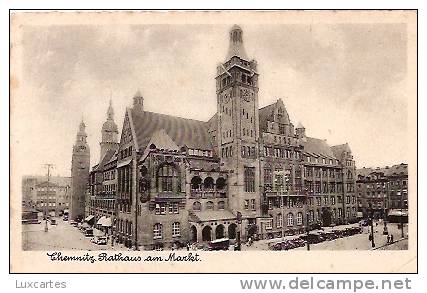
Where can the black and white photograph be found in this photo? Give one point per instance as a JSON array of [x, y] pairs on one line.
[[235, 138]]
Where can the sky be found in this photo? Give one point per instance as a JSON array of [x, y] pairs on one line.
[[343, 82]]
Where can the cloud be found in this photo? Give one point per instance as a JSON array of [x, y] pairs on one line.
[[345, 82]]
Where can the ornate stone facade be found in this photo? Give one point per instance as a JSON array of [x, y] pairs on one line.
[[247, 172]]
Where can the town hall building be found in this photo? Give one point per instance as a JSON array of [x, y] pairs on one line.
[[246, 172]]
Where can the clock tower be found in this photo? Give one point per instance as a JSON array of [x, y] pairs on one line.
[[80, 163], [238, 127]]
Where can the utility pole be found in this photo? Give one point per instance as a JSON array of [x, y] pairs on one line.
[[372, 225], [307, 225], [48, 166], [401, 214]]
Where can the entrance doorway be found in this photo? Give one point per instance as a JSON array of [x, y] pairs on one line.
[[193, 234], [206, 233], [219, 232], [232, 231]]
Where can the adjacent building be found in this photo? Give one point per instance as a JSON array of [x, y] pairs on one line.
[[246, 172], [40, 195], [380, 190], [80, 164], [103, 176]]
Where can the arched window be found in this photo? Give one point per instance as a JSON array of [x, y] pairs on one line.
[[221, 205], [209, 205], [157, 231], [220, 183], [208, 183], [290, 219], [197, 206], [167, 178], [195, 182], [299, 218]]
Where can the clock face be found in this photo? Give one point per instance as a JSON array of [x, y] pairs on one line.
[[246, 95]]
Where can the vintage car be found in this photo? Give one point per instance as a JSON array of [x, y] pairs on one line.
[[219, 244]]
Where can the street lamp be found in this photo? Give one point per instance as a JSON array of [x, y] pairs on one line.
[[401, 212]]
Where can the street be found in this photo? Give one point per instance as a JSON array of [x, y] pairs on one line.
[[62, 236], [355, 242]]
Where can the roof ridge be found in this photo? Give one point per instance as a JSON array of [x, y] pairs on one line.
[[168, 115], [267, 106]]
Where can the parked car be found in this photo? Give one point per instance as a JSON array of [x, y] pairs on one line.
[[73, 223], [219, 244], [65, 218], [88, 232], [53, 221], [100, 240]]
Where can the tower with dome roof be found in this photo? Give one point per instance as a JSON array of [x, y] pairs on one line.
[[109, 133]]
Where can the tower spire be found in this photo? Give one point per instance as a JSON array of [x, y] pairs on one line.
[[110, 111], [236, 47]]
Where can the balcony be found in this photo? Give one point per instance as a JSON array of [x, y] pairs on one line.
[[208, 193], [169, 196]]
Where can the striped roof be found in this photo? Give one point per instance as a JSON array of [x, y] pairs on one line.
[[184, 132]]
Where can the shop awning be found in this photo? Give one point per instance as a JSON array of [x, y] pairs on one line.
[[101, 220], [88, 218], [106, 222], [398, 213]]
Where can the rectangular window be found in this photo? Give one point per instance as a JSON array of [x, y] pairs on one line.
[[173, 208], [157, 231], [279, 221], [249, 178], [268, 176], [253, 204], [176, 231], [246, 204], [269, 224]]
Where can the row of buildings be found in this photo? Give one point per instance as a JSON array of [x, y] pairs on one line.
[[47, 197], [381, 190], [246, 172]]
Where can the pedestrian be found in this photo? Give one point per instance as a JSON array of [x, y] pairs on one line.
[[388, 238], [188, 246], [391, 238]]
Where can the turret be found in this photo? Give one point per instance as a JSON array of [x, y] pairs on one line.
[[138, 102], [300, 130]]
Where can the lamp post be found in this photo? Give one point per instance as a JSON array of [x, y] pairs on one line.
[[307, 222], [401, 212]]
